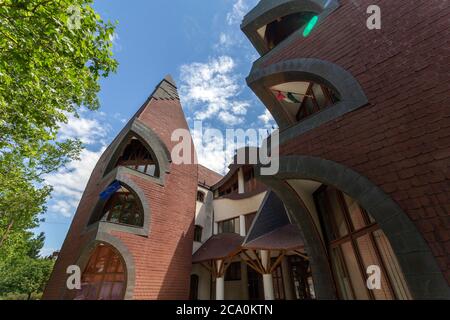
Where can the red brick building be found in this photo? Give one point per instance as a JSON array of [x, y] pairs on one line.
[[364, 113], [364, 172]]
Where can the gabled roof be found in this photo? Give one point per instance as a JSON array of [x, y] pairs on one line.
[[218, 247], [271, 216], [207, 176]]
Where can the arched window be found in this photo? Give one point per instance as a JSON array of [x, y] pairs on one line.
[[200, 196], [123, 207], [302, 99], [136, 156], [104, 277], [198, 233], [278, 30], [193, 293], [356, 242]]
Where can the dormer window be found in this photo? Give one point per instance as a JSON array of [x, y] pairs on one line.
[[302, 99], [137, 156], [278, 30], [123, 207]]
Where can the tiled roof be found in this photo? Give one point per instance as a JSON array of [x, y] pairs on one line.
[[218, 247], [287, 237], [271, 216], [207, 176]]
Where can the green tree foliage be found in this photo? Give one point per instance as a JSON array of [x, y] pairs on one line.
[[52, 56], [24, 272]]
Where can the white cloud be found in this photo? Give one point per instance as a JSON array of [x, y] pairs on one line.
[[45, 252], [89, 131], [69, 183], [225, 41], [266, 118], [213, 88], [240, 8], [213, 149]]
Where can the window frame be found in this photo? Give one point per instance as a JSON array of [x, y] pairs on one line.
[[113, 201], [352, 236], [94, 254], [201, 196]]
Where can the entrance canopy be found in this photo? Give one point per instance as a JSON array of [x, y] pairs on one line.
[[219, 247]]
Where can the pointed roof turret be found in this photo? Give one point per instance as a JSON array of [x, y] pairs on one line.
[[166, 89]]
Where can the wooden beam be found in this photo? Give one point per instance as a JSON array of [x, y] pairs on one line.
[[252, 264], [301, 254], [278, 260]]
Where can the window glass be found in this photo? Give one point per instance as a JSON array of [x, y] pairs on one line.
[[392, 266], [233, 272], [341, 275], [104, 276], [355, 213], [357, 281], [198, 233], [137, 157], [369, 258], [124, 208], [353, 251], [338, 217]]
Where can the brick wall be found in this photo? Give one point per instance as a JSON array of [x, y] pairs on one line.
[[401, 140]]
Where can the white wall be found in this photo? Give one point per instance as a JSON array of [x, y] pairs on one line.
[[225, 209], [204, 216]]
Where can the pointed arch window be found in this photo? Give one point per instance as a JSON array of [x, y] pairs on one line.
[[138, 157], [124, 207], [104, 277], [356, 242], [302, 99]]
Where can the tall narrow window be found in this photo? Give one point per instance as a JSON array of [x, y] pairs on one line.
[[278, 286], [200, 196], [193, 293], [124, 208], [357, 242], [233, 272], [104, 275], [198, 233], [137, 157]]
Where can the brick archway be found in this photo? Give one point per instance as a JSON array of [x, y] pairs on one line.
[[424, 278], [118, 245]]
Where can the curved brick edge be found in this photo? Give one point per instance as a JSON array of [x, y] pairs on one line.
[[267, 11], [425, 279], [124, 252], [121, 174], [349, 90], [152, 142]]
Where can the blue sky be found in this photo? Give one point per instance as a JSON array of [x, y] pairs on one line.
[[200, 44]]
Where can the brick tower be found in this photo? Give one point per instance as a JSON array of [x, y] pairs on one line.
[[132, 233]]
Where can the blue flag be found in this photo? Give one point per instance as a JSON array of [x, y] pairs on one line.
[[105, 195]]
